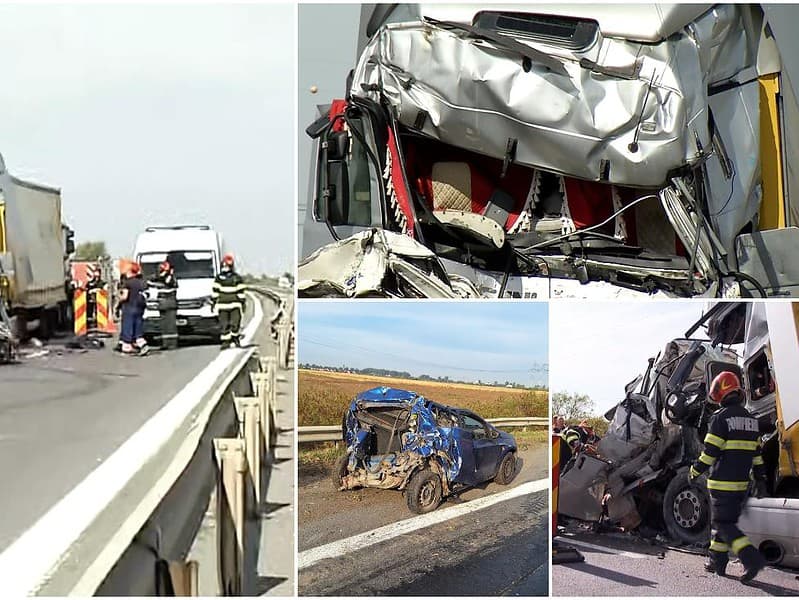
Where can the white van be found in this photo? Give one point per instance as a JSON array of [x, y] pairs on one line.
[[195, 252]]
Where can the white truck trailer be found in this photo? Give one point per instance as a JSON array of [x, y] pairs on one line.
[[35, 246]]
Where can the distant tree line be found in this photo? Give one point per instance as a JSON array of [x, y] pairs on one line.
[[405, 375]]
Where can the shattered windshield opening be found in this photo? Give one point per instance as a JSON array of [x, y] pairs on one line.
[[547, 221]]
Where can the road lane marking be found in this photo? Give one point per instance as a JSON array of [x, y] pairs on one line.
[[312, 556], [29, 561], [606, 549]]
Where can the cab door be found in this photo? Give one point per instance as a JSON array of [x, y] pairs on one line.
[[345, 196]]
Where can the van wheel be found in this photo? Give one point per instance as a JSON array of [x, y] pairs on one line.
[[424, 492], [507, 469], [686, 510], [339, 471]]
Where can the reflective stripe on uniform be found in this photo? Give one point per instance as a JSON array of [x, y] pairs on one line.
[[228, 306], [741, 445], [229, 289], [715, 440], [717, 546], [727, 486], [740, 543], [757, 461], [708, 460], [694, 472]]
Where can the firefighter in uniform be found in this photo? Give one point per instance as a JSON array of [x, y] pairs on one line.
[[571, 439], [731, 451], [229, 300], [166, 287], [94, 283]]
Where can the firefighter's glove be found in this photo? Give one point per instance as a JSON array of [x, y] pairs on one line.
[[761, 489]]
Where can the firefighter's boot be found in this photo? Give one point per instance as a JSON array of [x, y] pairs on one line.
[[716, 563], [752, 561]]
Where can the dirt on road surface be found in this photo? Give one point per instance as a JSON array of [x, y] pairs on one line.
[[620, 565], [326, 515], [502, 549]]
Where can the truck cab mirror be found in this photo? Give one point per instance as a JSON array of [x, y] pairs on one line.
[[334, 188], [70, 242]]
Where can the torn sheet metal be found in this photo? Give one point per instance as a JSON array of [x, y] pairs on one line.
[[423, 436], [377, 262], [634, 426], [630, 118]]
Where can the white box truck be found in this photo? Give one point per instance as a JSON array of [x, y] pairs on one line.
[[195, 252]]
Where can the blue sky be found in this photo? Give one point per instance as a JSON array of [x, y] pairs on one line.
[[472, 341]]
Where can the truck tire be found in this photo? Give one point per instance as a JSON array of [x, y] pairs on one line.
[[19, 327], [424, 492], [339, 471], [507, 469], [686, 509]]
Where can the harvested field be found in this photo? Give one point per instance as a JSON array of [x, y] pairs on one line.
[[324, 396]]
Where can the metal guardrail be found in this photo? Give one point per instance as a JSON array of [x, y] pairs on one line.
[[332, 433], [138, 544]]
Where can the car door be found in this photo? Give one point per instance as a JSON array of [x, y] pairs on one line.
[[487, 453]]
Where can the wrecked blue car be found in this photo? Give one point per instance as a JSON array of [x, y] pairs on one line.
[[397, 439]]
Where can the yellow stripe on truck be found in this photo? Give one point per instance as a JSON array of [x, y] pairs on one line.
[[772, 206], [2, 226]]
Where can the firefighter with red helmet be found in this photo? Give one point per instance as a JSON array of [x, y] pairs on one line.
[[229, 301], [731, 452], [166, 289]]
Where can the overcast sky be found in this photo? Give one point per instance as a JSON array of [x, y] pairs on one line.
[[598, 347], [328, 39], [469, 341], [156, 114]]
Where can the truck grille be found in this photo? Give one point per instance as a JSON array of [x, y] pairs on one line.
[[190, 304]]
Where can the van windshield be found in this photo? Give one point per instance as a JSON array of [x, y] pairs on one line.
[[187, 265]]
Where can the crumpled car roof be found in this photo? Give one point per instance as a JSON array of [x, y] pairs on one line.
[[387, 394]]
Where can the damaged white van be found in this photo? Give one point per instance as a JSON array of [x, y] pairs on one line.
[[560, 151]]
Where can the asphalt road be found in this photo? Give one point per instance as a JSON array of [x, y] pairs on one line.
[[501, 549], [617, 565], [64, 412]]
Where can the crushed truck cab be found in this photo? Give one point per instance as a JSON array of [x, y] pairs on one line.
[[567, 150], [397, 439]]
